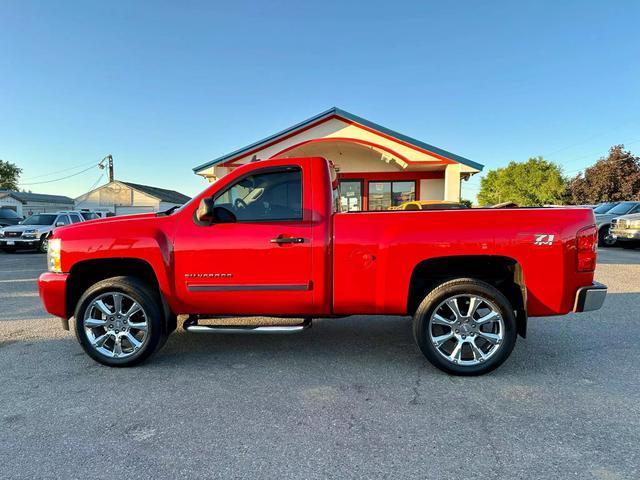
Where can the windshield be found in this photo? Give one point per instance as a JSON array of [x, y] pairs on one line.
[[621, 208], [43, 219], [604, 208], [89, 215], [8, 213]]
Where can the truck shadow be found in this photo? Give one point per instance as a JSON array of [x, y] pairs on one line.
[[368, 343]]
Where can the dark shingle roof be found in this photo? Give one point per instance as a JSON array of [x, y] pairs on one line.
[[26, 197], [169, 196]]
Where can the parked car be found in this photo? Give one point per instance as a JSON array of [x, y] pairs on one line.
[[603, 220], [603, 208], [268, 239], [34, 232], [9, 217], [77, 216], [429, 205], [626, 230]]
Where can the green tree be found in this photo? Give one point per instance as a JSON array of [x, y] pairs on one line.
[[9, 174], [532, 183], [615, 177]]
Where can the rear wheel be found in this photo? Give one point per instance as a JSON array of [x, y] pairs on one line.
[[465, 327], [119, 322]]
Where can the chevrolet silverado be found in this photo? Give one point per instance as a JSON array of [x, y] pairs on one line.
[[269, 239]]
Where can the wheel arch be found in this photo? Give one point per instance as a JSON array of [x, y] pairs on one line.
[[88, 272], [504, 273]]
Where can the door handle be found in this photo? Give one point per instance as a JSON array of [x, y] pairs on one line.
[[287, 240]]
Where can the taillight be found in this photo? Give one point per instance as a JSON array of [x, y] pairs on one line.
[[587, 244]]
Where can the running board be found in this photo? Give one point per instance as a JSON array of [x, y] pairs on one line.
[[193, 327]]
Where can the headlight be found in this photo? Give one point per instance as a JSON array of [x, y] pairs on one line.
[[53, 255], [1, 233], [634, 224]]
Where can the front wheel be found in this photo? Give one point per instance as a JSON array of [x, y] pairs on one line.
[[605, 239], [43, 246], [119, 322], [465, 327]]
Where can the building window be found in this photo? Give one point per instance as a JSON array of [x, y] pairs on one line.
[[350, 195], [383, 195]]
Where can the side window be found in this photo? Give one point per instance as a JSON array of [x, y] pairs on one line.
[[62, 219], [75, 218], [270, 196], [636, 209]]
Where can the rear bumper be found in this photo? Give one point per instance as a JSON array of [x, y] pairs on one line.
[[590, 298], [53, 288]]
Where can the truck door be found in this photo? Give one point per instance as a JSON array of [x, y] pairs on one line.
[[261, 262]]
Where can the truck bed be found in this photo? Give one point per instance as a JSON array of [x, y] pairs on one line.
[[377, 252]]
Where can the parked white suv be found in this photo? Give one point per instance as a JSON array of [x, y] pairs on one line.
[[35, 230]]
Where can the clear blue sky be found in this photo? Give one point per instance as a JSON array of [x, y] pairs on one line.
[[165, 86]]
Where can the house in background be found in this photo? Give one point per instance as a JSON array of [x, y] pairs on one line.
[[377, 167], [27, 203], [125, 198]]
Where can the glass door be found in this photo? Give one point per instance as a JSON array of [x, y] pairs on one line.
[[350, 195]]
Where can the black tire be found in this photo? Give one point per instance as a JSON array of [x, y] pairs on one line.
[[43, 246], [604, 239], [452, 288], [145, 297]]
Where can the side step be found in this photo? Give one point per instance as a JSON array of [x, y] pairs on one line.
[[191, 325]]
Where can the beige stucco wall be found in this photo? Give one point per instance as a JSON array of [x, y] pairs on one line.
[[431, 189], [452, 183]]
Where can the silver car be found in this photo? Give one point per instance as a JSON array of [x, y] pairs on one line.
[[626, 230], [34, 232], [603, 220]]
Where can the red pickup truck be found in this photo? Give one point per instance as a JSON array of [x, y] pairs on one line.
[[269, 239]]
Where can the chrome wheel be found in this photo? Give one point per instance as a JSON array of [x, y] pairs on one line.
[[466, 329], [116, 325], [44, 245]]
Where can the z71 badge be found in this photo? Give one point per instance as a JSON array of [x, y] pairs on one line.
[[543, 239]]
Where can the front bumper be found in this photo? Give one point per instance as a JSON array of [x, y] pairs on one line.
[[625, 233], [18, 242], [590, 298], [53, 292]]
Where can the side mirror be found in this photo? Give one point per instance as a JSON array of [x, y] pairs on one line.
[[60, 224], [208, 213]]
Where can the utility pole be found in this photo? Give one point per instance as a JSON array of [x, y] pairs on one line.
[[110, 158]]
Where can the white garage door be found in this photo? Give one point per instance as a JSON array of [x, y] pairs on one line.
[[132, 210]]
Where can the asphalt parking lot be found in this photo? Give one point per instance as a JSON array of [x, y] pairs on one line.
[[349, 398]]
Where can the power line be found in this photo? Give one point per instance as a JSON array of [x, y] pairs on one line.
[[62, 178], [60, 171], [587, 140], [96, 182]]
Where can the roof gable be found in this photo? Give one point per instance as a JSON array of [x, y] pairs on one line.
[[351, 118], [162, 194]]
